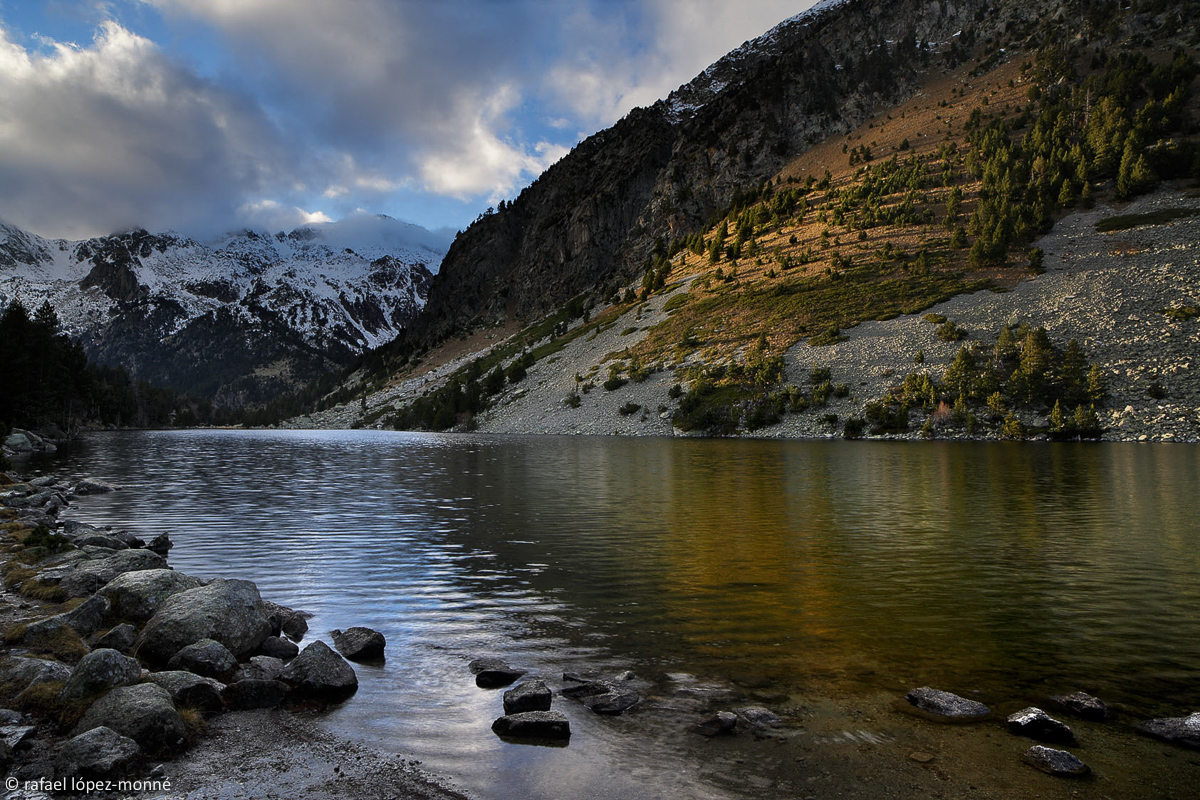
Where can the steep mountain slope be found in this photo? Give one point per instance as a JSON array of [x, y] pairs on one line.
[[939, 196], [240, 319], [588, 223]]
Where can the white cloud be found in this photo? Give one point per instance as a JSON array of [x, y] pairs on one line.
[[271, 215], [101, 137]]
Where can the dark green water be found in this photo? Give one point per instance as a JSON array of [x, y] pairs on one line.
[[1007, 571]]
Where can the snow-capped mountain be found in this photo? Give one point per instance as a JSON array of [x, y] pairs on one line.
[[239, 318]]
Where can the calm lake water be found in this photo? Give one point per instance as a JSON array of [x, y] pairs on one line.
[[768, 568]]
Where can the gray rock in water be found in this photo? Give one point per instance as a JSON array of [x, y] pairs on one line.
[[120, 638], [286, 620], [143, 712], [91, 576], [723, 722], [320, 672], [603, 697], [493, 673], [1177, 730], [255, 693], [101, 540], [227, 611], [278, 647], [946, 707], [1055, 762], [138, 595], [533, 725], [758, 716], [99, 671], [93, 486], [1082, 705], [97, 753], [161, 545], [1037, 724], [528, 696], [18, 443], [359, 644], [189, 690], [207, 658]]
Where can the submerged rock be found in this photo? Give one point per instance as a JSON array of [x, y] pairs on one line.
[[528, 696], [758, 716], [359, 644], [945, 706], [722, 722], [493, 673], [603, 697], [1055, 762], [1082, 705], [1177, 730], [533, 725], [1037, 724]]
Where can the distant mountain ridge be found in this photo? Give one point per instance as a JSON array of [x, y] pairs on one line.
[[239, 319]]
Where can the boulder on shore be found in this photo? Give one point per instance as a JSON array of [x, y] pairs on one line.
[[143, 713], [91, 576], [99, 671], [278, 647], [1055, 762], [943, 706], [97, 753], [138, 595], [189, 690], [255, 693], [319, 672], [359, 644], [227, 611], [207, 658], [121, 638]]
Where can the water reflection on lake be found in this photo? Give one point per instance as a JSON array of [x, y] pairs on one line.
[[1015, 570]]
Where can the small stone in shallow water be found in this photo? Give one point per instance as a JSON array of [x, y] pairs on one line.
[[529, 696], [1055, 762], [921, 758], [493, 673], [1037, 724], [723, 722], [533, 725], [945, 706], [1082, 705]]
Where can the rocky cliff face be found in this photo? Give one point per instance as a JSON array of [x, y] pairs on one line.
[[240, 319], [590, 221]]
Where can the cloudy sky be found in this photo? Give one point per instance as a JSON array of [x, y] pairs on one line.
[[207, 115]]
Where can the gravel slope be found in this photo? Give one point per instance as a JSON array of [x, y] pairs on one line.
[[1106, 290]]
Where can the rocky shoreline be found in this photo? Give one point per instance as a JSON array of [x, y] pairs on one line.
[[113, 662]]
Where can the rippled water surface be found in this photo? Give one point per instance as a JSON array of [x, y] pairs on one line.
[[1015, 570]]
